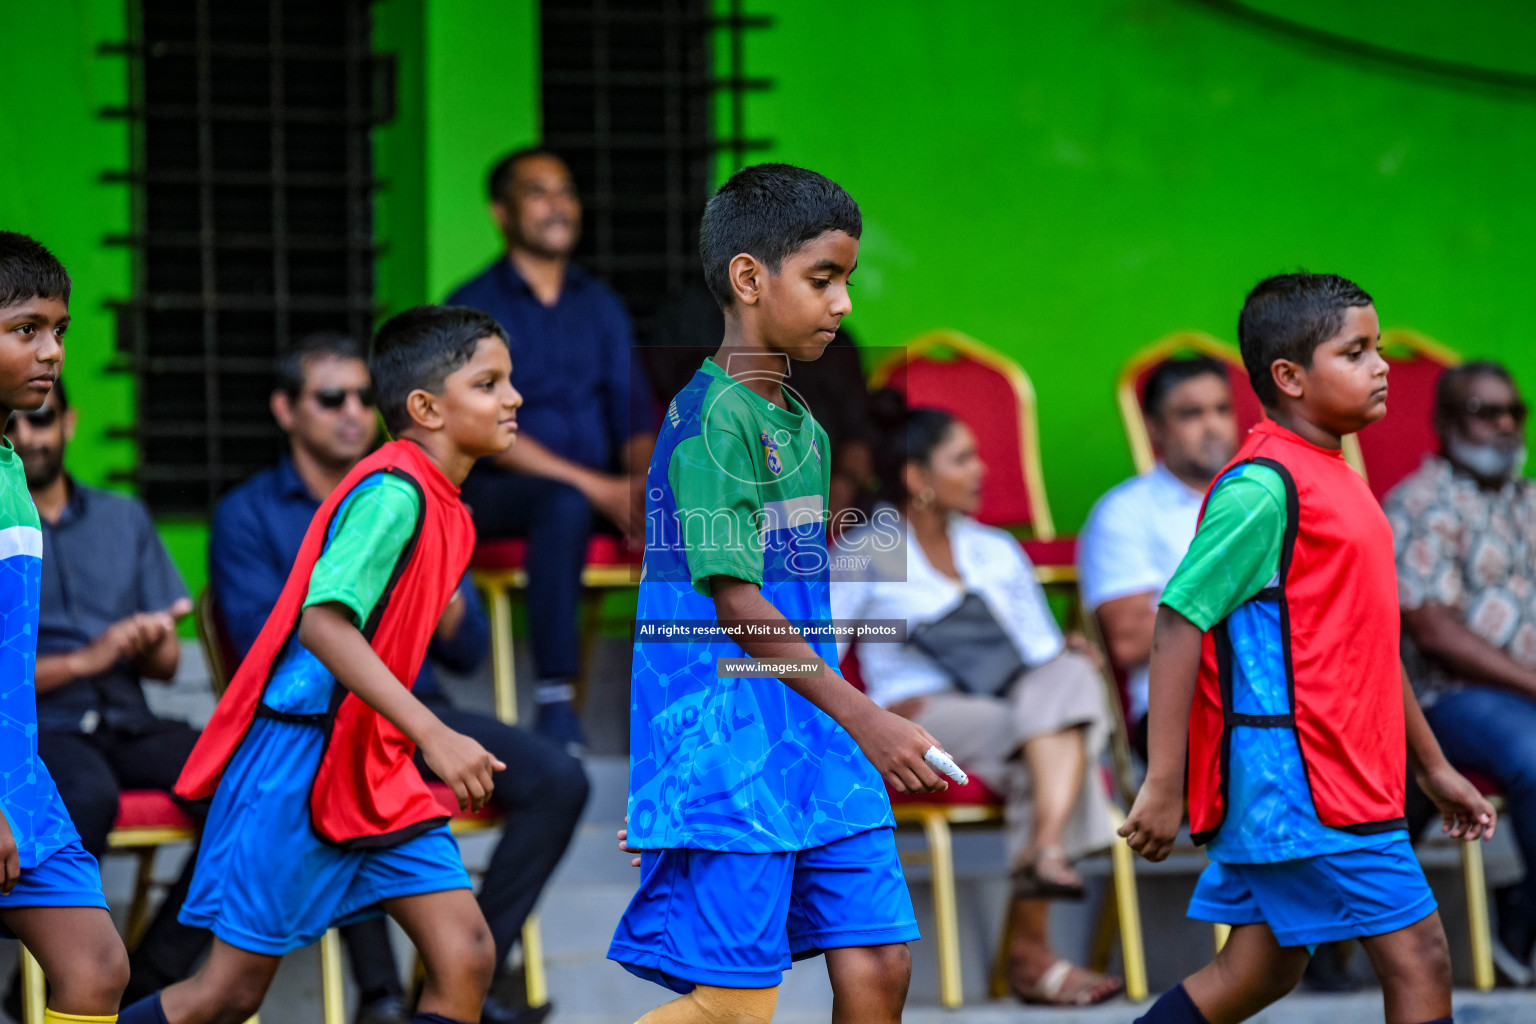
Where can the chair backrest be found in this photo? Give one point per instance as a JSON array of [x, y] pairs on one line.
[[218, 650], [1133, 384], [992, 395], [1394, 447]]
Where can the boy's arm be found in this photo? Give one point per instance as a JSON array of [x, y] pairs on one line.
[[1464, 813], [1153, 823], [327, 630], [1235, 554], [893, 745]]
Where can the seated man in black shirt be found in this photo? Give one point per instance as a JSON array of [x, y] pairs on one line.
[[110, 599]]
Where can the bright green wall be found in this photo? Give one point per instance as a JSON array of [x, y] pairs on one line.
[[1069, 182], [468, 92], [1065, 182], [56, 147]]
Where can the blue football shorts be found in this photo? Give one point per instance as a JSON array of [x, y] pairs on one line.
[[739, 920], [1312, 900], [69, 877], [266, 883]]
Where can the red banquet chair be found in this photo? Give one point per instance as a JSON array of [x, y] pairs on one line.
[[1245, 404], [937, 814], [992, 395]]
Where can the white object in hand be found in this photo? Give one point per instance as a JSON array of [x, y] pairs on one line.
[[942, 762]]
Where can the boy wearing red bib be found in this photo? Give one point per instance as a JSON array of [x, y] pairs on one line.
[[1275, 666], [320, 816]]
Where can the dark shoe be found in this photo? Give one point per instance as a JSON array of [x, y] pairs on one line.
[[497, 1012], [390, 1009], [558, 721]]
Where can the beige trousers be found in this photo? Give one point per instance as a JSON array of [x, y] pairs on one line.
[[985, 734]]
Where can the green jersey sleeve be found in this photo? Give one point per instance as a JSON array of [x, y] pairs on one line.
[[714, 482], [370, 531], [1236, 551]]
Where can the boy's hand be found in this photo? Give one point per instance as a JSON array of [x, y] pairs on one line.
[[1464, 813], [896, 747], [634, 861], [10, 858], [1153, 823], [464, 766]]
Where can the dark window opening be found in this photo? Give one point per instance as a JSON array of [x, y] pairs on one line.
[[252, 222]]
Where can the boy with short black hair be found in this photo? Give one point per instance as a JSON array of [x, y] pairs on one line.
[[50, 887], [319, 816], [1276, 659], [765, 830]]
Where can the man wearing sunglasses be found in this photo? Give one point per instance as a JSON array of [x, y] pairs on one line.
[[1465, 529], [108, 604], [324, 403]]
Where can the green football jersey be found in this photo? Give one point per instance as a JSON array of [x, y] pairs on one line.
[[737, 487]]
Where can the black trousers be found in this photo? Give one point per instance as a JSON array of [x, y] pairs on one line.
[[558, 522], [91, 769], [542, 792]]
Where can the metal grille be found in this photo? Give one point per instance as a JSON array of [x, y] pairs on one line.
[[628, 87], [252, 222]]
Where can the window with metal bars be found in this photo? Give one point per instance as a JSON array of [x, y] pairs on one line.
[[628, 87], [252, 226]]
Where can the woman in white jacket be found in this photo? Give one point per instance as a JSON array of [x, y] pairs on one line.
[[1035, 742]]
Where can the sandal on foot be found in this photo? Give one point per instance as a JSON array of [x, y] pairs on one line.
[[1055, 987], [1057, 882]]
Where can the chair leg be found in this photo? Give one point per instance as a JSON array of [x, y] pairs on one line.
[[34, 988], [997, 981], [1477, 915], [503, 661], [138, 908], [1127, 903], [591, 627], [333, 990], [533, 962], [946, 916]]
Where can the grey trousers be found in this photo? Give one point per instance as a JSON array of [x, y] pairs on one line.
[[985, 734]]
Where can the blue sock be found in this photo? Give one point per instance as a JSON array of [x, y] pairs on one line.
[[427, 1018], [1175, 1007], [145, 1011]]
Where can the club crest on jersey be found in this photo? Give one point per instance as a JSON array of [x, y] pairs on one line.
[[771, 454]]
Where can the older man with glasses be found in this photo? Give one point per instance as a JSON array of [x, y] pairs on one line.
[[1465, 529]]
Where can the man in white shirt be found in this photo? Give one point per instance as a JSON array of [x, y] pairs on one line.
[[1138, 533]]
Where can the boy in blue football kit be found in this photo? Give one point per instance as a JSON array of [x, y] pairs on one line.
[[50, 888], [759, 803], [1276, 666]]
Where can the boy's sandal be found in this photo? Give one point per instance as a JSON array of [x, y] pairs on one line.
[[1047, 876], [1063, 984]]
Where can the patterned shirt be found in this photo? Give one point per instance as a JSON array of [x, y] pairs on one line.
[[1471, 550], [28, 797], [737, 487]]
